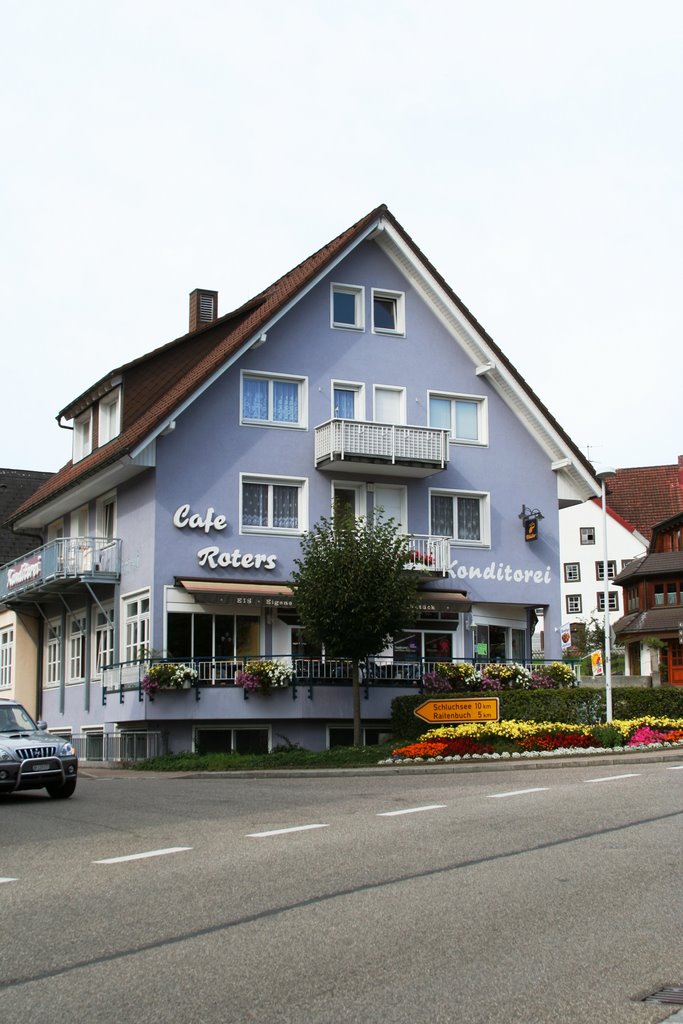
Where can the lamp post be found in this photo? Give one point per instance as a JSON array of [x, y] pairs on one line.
[[603, 475]]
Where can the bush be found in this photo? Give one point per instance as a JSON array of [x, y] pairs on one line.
[[582, 705]]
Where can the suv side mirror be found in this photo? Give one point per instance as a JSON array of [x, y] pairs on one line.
[[42, 725]]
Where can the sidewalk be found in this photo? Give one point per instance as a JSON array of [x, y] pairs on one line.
[[97, 770]]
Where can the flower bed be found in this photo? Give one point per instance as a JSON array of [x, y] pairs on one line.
[[514, 739]]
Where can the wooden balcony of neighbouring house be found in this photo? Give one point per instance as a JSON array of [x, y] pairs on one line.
[[61, 562], [385, 448]]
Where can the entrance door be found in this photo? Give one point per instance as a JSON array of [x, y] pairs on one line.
[[675, 663]]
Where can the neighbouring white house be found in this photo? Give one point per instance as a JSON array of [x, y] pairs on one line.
[[582, 555]]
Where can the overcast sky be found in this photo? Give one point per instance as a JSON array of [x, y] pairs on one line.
[[533, 150]]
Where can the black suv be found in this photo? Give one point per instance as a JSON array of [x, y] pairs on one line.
[[30, 758]]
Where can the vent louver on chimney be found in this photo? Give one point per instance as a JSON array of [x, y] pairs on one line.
[[203, 308]]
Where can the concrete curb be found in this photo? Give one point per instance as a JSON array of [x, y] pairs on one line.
[[89, 770]]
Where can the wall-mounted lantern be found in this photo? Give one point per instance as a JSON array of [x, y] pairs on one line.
[[530, 518]]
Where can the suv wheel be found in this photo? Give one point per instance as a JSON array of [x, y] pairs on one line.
[[63, 790]]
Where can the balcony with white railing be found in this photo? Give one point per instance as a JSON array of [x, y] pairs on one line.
[[67, 559], [386, 448], [429, 554]]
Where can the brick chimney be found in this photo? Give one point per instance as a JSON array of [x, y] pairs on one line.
[[203, 308]]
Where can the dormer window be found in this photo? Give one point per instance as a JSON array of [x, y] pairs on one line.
[[82, 436], [110, 416]]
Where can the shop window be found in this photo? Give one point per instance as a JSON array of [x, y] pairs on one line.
[[202, 635], [342, 736]]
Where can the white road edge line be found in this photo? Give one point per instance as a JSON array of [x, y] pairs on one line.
[[8, 880], [283, 831], [411, 810], [674, 767], [142, 856], [518, 792], [615, 778]]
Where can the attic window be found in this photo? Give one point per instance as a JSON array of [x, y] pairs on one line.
[[207, 305], [82, 436]]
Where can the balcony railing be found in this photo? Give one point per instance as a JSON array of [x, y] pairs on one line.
[[68, 558], [347, 445], [430, 554]]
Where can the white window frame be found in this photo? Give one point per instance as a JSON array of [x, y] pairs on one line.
[[481, 403], [358, 389], [6, 657], [574, 604], [360, 495], [53, 653], [105, 521], [401, 392], [82, 439], [276, 481], [600, 570], [76, 661], [612, 597], [103, 650], [484, 514], [136, 626], [271, 378], [109, 417], [572, 572], [399, 300], [358, 291]]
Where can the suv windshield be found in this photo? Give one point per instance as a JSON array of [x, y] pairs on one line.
[[14, 718]]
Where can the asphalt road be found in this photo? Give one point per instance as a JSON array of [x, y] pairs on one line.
[[511, 896]]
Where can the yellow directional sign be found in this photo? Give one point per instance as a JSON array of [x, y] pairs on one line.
[[445, 711]]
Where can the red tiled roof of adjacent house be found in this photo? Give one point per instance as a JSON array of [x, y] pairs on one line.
[[646, 495], [156, 384]]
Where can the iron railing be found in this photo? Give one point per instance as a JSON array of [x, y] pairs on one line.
[[65, 558], [124, 745]]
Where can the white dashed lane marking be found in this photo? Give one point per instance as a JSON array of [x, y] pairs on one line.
[[518, 792], [410, 810], [283, 831], [616, 778], [8, 880], [142, 856]]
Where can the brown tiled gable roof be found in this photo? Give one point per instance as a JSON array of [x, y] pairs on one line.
[[16, 485], [646, 495], [156, 384]]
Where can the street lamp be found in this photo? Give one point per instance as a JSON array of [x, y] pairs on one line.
[[603, 475]]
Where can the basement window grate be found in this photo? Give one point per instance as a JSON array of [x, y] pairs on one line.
[[672, 994]]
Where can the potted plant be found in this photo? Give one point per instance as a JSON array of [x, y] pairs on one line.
[[264, 676], [168, 675]]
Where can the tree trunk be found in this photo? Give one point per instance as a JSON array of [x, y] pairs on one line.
[[355, 687]]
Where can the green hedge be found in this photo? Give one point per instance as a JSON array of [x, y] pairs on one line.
[[582, 705]]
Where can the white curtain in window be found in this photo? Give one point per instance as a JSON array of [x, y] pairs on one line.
[[469, 521], [442, 515], [285, 401], [254, 398], [286, 507], [255, 505], [344, 403]]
